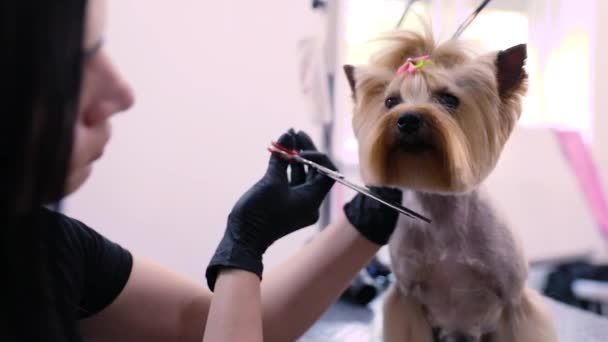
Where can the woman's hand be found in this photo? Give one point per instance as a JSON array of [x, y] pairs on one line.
[[375, 221], [274, 207]]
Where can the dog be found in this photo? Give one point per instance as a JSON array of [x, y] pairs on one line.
[[432, 119]]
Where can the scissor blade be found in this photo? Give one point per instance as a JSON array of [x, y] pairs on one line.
[[364, 190], [367, 192], [338, 177]]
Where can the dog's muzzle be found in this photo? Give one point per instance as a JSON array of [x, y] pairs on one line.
[[413, 133]]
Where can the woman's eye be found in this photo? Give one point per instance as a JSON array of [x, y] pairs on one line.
[[391, 102], [447, 100]]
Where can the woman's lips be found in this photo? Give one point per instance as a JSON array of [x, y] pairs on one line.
[[105, 134], [96, 156]]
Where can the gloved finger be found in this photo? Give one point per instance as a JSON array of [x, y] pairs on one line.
[[298, 175], [277, 166], [319, 158], [305, 142], [391, 194], [317, 185]]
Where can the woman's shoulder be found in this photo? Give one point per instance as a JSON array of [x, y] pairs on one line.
[[77, 235], [66, 232], [58, 219], [99, 267]]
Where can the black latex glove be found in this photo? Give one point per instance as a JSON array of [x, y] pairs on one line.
[[375, 221], [274, 207]]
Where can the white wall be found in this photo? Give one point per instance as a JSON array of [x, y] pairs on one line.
[[533, 184], [536, 192], [215, 82]]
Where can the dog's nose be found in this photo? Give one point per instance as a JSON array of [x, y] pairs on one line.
[[409, 122]]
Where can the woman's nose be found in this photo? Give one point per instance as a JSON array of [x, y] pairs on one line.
[[109, 94], [125, 97]]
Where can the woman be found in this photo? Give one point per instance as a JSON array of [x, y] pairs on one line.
[[64, 282]]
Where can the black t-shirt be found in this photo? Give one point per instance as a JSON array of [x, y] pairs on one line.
[[91, 269], [54, 271]]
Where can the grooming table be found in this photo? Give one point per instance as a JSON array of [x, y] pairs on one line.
[[346, 322]]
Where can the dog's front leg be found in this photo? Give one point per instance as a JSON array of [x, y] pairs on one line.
[[404, 320]]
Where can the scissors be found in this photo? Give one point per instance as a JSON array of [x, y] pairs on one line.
[[292, 155]]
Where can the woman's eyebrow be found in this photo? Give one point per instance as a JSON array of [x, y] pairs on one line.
[[90, 52]]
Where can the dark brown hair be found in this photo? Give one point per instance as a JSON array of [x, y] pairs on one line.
[[40, 68]]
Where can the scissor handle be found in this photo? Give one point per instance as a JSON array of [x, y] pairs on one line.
[[284, 149], [294, 156]]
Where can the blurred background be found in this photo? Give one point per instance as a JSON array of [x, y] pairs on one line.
[[215, 82]]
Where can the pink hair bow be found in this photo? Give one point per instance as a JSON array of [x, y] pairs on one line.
[[412, 64]]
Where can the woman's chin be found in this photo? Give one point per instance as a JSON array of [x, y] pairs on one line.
[[77, 178]]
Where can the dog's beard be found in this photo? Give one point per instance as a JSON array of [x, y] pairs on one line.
[[437, 159]]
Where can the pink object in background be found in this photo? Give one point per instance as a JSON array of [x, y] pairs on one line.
[[585, 170]]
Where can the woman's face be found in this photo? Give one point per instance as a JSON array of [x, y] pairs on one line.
[[103, 93]]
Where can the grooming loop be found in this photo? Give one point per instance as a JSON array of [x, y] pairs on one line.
[[462, 26]]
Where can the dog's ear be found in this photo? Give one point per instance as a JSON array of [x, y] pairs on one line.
[[349, 71], [510, 72], [526, 321], [366, 79]]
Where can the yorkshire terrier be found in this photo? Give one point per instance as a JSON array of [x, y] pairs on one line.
[[432, 119]]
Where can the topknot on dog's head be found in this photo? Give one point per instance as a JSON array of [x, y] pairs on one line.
[[396, 48], [401, 45]]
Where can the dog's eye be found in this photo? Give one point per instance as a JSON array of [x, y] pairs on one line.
[[392, 101], [447, 100]]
